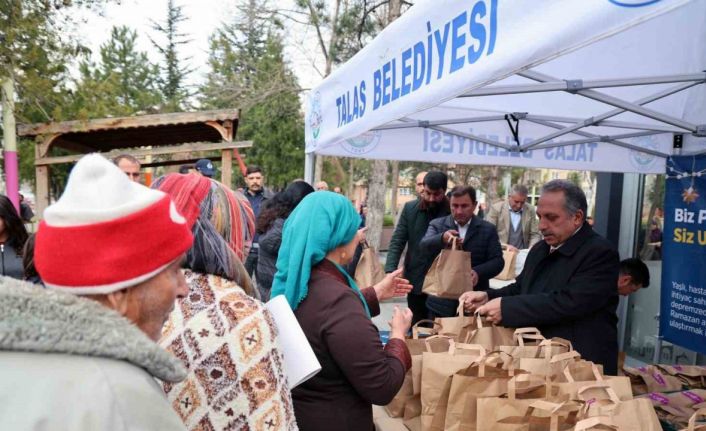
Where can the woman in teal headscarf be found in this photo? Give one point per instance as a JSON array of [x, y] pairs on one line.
[[319, 238]]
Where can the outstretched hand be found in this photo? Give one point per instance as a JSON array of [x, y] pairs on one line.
[[392, 285]]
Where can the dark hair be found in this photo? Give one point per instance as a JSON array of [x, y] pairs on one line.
[[28, 259], [637, 270], [460, 191], [436, 180], [520, 190], [184, 169], [574, 198], [128, 157], [16, 232], [252, 169], [282, 204]]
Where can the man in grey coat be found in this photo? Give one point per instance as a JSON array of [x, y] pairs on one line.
[[515, 220], [81, 354]]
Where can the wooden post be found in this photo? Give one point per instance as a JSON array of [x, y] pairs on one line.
[[41, 196], [227, 167]]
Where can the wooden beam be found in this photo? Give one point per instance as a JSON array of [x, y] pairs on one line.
[[227, 167], [42, 193], [126, 122], [156, 151]]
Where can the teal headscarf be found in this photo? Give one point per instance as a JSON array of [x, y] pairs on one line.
[[321, 222]]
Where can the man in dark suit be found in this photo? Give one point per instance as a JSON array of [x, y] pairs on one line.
[[478, 236], [567, 288], [412, 225]]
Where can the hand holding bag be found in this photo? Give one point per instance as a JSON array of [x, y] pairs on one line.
[[450, 273]]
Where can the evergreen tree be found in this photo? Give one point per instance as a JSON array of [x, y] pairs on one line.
[[124, 82], [248, 71], [173, 71]]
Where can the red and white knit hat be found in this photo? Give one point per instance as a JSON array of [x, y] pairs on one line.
[[106, 232]]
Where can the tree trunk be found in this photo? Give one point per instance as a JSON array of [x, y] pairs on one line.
[[376, 203], [318, 168], [395, 182], [351, 174], [493, 184], [376, 185]]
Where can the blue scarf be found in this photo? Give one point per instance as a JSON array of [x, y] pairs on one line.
[[321, 222]]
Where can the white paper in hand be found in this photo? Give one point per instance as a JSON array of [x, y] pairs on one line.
[[300, 363]]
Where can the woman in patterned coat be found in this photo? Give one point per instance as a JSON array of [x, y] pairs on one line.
[[224, 336]]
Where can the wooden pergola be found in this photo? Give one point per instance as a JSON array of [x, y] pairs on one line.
[[149, 138]]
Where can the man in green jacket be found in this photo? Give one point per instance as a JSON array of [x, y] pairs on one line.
[[410, 230]]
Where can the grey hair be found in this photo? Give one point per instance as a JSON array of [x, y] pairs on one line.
[[574, 197], [520, 190]]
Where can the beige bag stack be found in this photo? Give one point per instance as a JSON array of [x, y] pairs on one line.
[[509, 257]]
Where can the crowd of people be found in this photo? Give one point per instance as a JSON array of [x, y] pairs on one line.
[[168, 283]]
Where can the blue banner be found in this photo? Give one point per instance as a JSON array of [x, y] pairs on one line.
[[683, 295]]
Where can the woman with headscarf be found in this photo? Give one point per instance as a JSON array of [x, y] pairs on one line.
[[320, 237], [226, 338], [269, 226]]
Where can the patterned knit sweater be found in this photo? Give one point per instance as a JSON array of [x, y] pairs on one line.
[[228, 342]]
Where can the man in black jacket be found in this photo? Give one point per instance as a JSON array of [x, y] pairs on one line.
[[412, 225], [567, 288], [478, 236]]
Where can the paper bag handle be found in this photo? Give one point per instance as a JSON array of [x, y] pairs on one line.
[[603, 421], [573, 354], [512, 384], [552, 409], [483, 361], [459, 309], [557, 342], [416, 328], [427, 345], [529, 333], [600, 385], [692, 420], [594, 369], [463, 346]]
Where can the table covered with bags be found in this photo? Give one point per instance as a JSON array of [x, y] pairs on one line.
[[470, 375]]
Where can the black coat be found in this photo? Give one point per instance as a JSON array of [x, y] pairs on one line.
[[410, 230], [571, 293], [486, 255]]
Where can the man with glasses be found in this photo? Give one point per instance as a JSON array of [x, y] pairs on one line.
[[413, 224], [515, 220], [129, 165]]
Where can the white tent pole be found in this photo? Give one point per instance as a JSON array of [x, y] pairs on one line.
[[591, 135], [599, 118], [566, 85], [309, 163], [422, 123], [617, 102], [607, 123]]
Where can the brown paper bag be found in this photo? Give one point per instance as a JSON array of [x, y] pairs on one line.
[[651, 379], [396, 407], [542, 415], [437, 370], [450, 273], [492, 410], [456, 326], [677, 407], [692, 376], [545, 349], [435, 344], [574, 381], [414, 424], [550, 365], [598, 423], [490, 336], [369, 271], [636, 414], [413, 408], [701, 413], [479, 380], [508, 272]]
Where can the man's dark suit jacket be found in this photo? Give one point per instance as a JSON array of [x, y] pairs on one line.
[[570, 293], [486, 255]]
